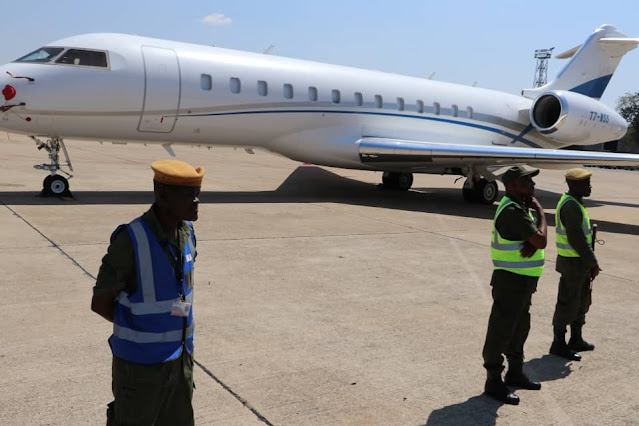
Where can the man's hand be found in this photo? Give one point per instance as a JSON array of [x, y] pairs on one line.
[[594, 272], [527, 250], [103, 305]]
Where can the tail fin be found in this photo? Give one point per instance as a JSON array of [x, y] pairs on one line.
[[592, 64]]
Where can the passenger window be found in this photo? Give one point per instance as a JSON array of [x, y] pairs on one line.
[[336, 96], [312, 94], [379, 101], [359, 99], [288, 91], [85, 58], [236, 85], [42, 55], [455, 111], [437, 108], [420, 106], [400, 104], [262, 88], [205, 82], [470, 112]]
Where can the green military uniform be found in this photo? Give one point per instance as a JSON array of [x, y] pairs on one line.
[[509, 321], [146, 394], [574, 297]]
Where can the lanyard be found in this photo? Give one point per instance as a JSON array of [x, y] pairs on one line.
[[178, 268]]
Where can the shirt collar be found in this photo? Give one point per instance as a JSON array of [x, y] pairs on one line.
[[151, 218], [576, 196]]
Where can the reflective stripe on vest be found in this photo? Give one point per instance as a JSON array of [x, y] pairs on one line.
[[144, 331], [506, 253], [563, 245]]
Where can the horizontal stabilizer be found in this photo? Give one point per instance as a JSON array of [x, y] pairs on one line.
[[422, 155], [568, 53], [591, 65]]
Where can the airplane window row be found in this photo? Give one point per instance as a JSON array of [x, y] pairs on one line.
[[235, 87], [80, 57]]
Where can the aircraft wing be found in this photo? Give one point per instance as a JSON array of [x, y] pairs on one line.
[[416, 155]]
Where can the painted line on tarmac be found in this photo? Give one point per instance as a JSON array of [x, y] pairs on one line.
[[235, 395], [49, 240], [206, 370]]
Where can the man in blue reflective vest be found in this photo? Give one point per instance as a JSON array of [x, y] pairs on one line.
[[517, 249], [145, 288], [577, 264]]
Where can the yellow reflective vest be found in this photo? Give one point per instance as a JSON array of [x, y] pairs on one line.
[[563, 245], [506, 253]]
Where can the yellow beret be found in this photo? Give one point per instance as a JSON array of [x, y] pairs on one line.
[[578, 174], [174, 172]]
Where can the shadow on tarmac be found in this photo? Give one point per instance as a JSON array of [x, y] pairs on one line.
[[482, 410], [315, 184], [548, 368]]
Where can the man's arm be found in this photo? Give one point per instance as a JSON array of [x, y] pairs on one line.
[[539, 239], [572, 218], [104, 305], [117, 273]]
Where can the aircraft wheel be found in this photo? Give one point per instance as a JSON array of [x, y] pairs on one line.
[[397, 181], [404, 181], [46, 182], [56, 185], [487, 192]]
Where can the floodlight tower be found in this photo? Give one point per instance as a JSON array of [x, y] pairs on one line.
[[541, 73]]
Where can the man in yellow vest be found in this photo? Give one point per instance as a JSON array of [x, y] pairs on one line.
[[517, 248], [577, 264]]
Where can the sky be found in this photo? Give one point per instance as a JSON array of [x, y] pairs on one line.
[[490, 42]]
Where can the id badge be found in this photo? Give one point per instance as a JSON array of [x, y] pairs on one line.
[[180, 308]]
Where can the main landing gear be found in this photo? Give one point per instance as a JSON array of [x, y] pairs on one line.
[[480, 191], [54, 184], [397, 181]]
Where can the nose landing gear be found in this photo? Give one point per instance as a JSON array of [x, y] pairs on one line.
[[54, 184]]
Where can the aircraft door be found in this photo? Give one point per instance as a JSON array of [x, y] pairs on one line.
[[161, 90]]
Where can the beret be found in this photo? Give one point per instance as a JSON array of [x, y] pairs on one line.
[[179, 173], [517, 172], [578, 174]]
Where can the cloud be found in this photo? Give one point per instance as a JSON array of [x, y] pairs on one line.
[[217, 19]]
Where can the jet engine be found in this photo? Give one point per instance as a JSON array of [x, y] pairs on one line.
[[575, 119]]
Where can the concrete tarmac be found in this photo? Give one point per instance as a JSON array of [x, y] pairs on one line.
[[320, 298]]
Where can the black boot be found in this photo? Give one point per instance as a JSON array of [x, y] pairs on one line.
[[517, 378], [496, 388], [560, 348], [576, 342]]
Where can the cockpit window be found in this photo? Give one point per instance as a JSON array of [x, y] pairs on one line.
[[42, 55], [87, 58]]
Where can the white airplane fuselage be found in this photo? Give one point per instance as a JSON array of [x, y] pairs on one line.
[[169, 92]]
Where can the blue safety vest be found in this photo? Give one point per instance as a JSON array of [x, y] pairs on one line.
[[144, 331]]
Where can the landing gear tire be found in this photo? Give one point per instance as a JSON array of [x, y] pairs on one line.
[[481, 191], [397, 181], [487, 192], [56, 185]]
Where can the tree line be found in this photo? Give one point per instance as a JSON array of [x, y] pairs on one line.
[[628, 108]]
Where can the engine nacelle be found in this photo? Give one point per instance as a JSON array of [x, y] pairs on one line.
[[575, 119]]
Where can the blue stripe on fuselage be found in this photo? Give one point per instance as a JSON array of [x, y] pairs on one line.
[[387, 114]]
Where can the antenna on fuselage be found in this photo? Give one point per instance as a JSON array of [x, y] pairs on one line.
[[269, 49], [432, 74]]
